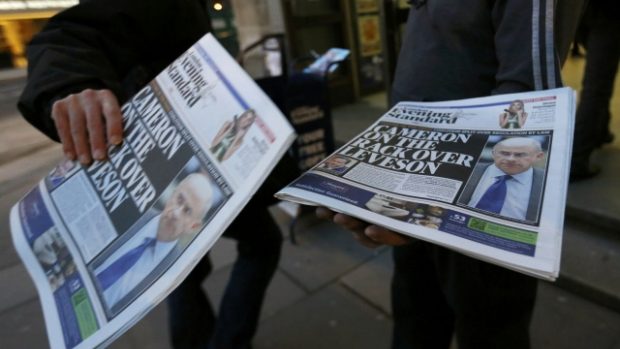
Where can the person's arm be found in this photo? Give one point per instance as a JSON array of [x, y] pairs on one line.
[[221, 133], [82, 62], [522, 117], [235, 144], [76, 65], [503, 120], [86, 122], [524, 45]]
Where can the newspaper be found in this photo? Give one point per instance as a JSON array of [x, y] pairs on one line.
[[106, 243], [485, 176], [327, 62]]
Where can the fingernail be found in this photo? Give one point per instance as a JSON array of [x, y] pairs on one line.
[[99, 154], [116, 140], [84, 159], [70, 155]]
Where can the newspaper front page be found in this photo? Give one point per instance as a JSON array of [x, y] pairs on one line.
[[484, 176], [106, 243]]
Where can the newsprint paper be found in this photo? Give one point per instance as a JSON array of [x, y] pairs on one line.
[[486, 176], [106, 243]]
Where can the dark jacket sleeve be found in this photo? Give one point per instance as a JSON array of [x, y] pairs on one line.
[[114, 44], [524, 44]]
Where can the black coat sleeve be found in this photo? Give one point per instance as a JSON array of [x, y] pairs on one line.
[[113, 44], [525, 46]]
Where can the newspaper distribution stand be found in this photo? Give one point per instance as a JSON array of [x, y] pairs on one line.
[[309, 110], [302, 95]]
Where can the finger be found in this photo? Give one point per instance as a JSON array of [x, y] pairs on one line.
[[94, 124], [385, 236], [349, 222], [78, 130], [365, 240], [324, 213], [61, 121], [113, 118]]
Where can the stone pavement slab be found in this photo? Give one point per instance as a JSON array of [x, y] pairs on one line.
[[26, 169], [597, 200], [23, 327], [371, 280], [565, 321], [223, 253], [591, 263], [17, 138], [8, 256], [328, 319], [282, 217], [151, 332], [9, 74], [349, 120], [10, 89], [323, 254], [17, 287], [281, 293]]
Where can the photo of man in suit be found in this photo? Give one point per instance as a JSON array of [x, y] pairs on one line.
[[510, 186], [158, 235], [336, 164]]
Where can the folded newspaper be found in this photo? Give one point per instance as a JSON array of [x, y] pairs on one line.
[[485, 176], [327, 61], [106, 243]]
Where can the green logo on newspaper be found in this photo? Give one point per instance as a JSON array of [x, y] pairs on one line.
[[84, 313], [503, 231]]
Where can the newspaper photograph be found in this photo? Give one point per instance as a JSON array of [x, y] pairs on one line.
[[486, 176], [106, 243]]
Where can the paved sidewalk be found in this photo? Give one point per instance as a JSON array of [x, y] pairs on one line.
[[327, 293], [13, 74]]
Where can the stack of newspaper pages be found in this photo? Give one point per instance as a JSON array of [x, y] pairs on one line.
[[104, 244], [486, 176]]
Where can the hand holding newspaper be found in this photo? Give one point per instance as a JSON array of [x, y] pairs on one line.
[[104, 244], [484, 176]]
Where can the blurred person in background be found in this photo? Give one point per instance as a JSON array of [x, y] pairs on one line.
[[601, 34]]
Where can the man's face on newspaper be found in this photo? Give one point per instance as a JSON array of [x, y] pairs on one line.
[[515, 158], [335, 162], [185, 208]]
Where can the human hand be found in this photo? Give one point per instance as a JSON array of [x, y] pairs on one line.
[[87, 122], [368, 235]]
